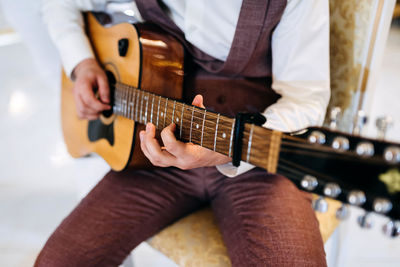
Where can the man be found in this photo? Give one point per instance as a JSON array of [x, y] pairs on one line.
[[279, 47]]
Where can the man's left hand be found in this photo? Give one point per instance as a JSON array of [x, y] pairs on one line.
[[176, 153]]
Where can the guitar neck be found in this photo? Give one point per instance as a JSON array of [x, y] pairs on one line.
[[208, 129]]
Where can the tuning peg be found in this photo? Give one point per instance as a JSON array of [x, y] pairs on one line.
[[382, 205], [320, 205], [365, 221], [356, 198], [334, 117], [383, 124], [392, 154], [332, 190], [343, 212], [317, 137], [309, 182], [359, 122], [341, 143], [365, 149], [391, 229]]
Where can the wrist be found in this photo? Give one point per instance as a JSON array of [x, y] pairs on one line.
[[85, 64]]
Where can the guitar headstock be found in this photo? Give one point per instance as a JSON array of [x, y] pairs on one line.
[[355, 170]]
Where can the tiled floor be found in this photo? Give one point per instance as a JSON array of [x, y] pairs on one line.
[[40, 183]]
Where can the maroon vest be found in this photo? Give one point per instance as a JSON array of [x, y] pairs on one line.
[[243, 81]]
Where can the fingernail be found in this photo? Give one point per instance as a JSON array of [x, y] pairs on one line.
[[148, 127], [141, 135]]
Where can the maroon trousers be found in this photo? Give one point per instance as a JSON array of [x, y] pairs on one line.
[[264, 219]]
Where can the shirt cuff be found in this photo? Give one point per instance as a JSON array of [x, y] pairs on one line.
[[80, 45], [231, 171]]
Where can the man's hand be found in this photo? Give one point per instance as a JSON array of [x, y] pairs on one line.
[[175, 153], [88, 75]]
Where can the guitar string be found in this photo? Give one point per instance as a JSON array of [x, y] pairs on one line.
[[187, 107], [177, 102], [246, 134], [208, 115]]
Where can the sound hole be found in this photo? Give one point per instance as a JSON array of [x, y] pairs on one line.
[[111, 82]]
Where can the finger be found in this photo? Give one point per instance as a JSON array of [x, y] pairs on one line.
[[86, 108], [104, 89], [153, 151], [89, 98], [153, 147], [198, 101], [82, 111], [172, 145]]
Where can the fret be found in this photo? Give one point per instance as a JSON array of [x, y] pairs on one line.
[[124, 103], [165, 111], [118, 102], [127, 102], [180, 129], [158, 109], [130, 103], [152, 106], [249, 143], [133, 103], [231, 138], [191, 125], [137, 105], [141, 106], [202, 128], [173, 112], [147, 105], [216, 133], [115, 107]]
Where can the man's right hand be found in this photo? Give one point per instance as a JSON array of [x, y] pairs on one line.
[[88, 75]]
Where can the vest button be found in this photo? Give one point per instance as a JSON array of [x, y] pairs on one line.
[[221, 99]]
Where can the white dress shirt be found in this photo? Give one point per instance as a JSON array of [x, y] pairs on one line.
[[300, 51]]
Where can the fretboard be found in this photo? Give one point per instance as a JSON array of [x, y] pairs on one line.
[[199, 126]]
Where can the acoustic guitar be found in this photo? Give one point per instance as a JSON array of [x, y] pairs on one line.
[[145, 67]]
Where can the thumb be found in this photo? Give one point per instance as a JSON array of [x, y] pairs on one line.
[[104, 89], [198, 101]]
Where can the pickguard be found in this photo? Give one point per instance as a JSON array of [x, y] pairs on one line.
[[97, 130]]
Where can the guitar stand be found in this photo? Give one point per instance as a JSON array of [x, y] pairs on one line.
[[240, 119]]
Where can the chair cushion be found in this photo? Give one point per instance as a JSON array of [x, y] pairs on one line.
[[196, 241]]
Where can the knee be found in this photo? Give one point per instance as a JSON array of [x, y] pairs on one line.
[[60, 251], [282, 185], [50, 256]]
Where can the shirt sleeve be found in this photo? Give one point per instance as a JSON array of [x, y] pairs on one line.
[[300, 67], [65, 25]]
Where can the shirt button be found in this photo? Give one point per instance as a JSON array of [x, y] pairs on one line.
[[221, 99]]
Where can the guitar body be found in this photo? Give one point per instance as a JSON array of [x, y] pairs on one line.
[[149, 59]]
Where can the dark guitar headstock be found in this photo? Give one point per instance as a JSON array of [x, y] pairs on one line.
[[355, 170]]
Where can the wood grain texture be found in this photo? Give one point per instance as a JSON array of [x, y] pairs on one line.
[[162, 57]]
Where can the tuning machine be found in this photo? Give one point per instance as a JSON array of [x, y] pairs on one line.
[[341, 143], [392, 154], [365, 221], [332, 190], [309, 182], [317, 137], [391, 229], [382, 205], [356, 198], [365, 149], [334, 117], [343, 212], [360, 121], [383, 124], [320, 204]]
